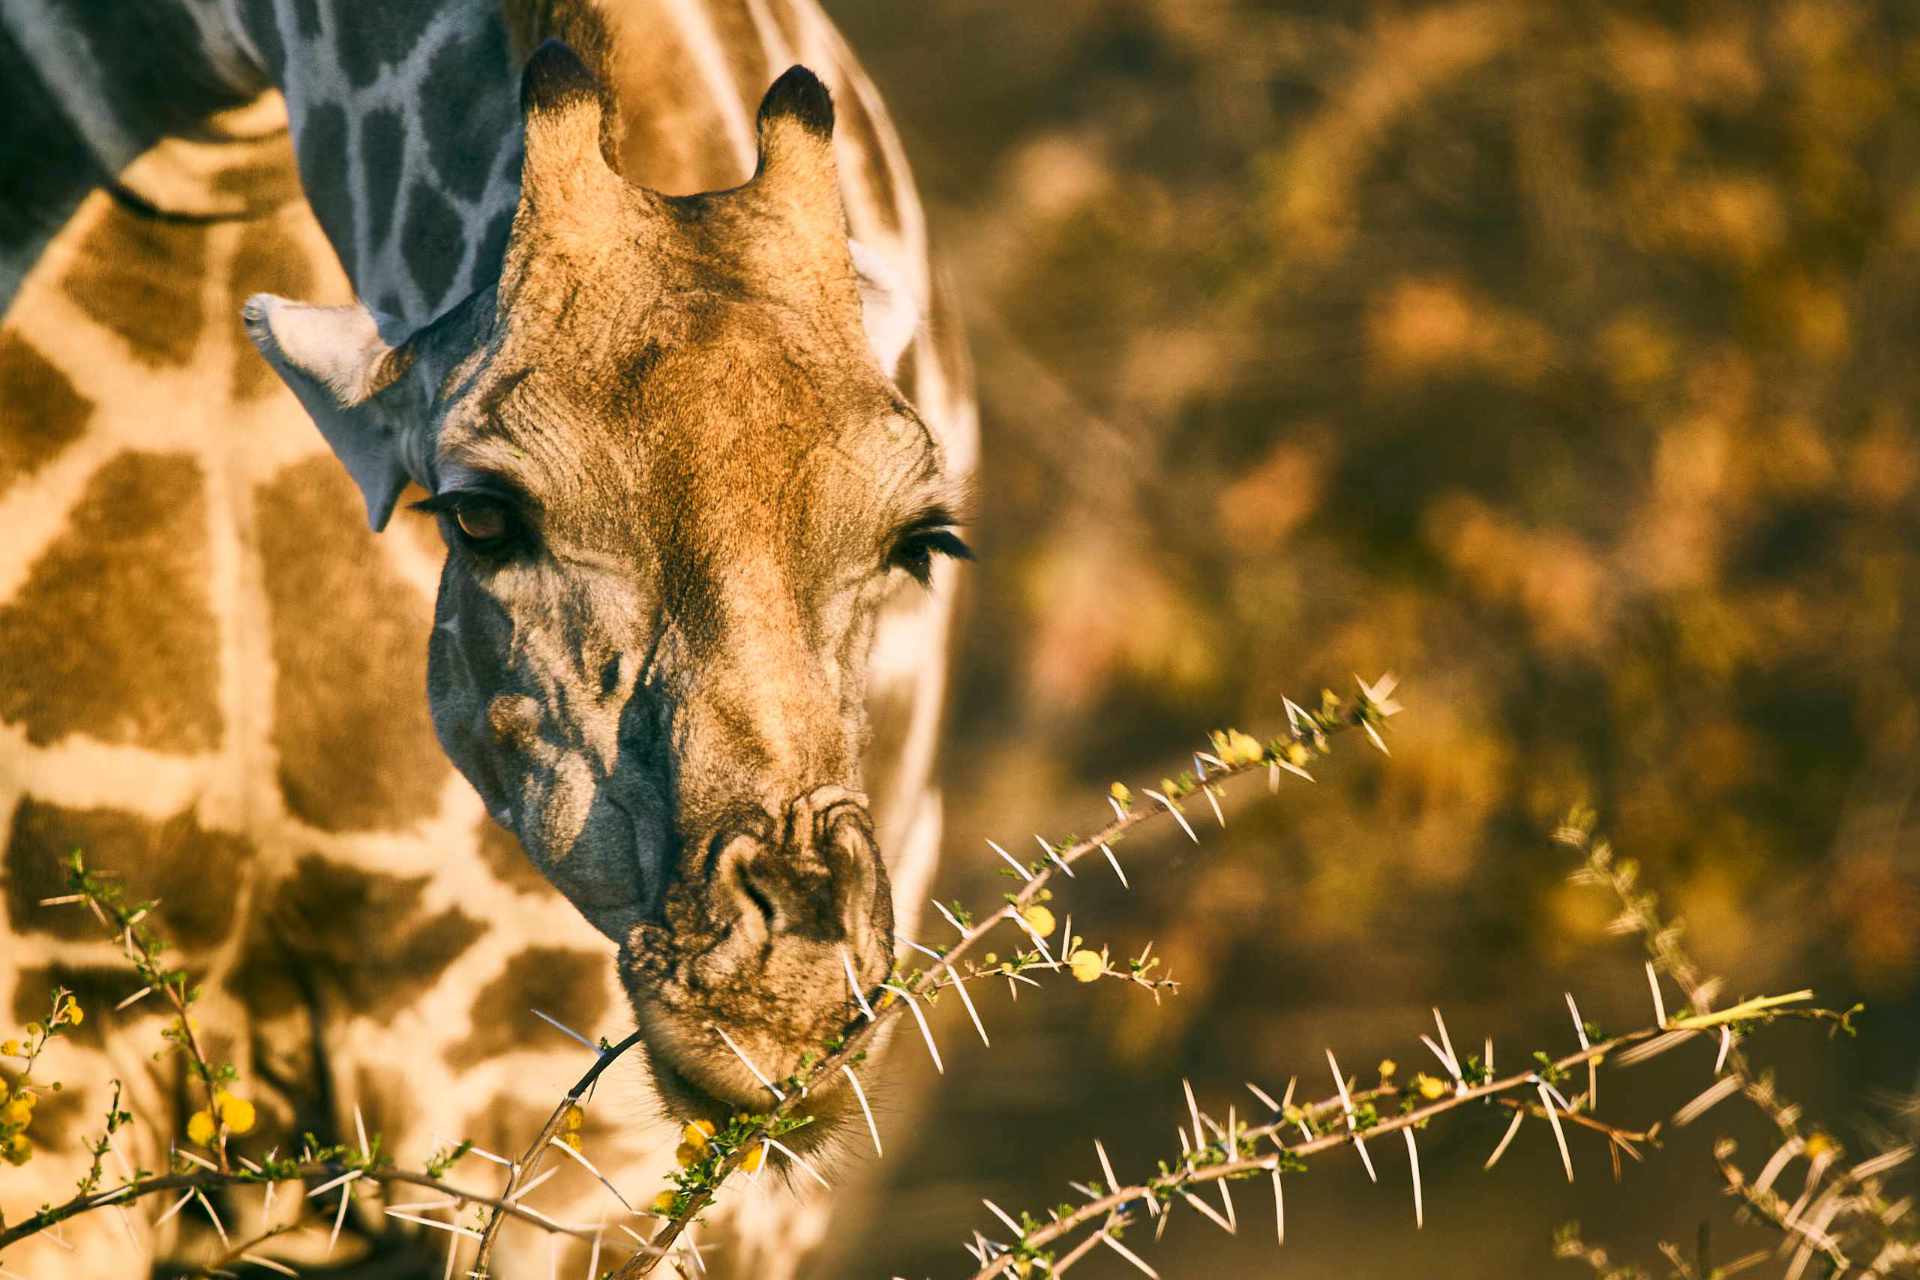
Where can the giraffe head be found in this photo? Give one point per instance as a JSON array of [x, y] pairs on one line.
[[675, 481]]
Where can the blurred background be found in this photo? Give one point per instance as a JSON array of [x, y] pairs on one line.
[[1559, 358]]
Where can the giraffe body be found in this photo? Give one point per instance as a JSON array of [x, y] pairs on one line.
[[212, 674]]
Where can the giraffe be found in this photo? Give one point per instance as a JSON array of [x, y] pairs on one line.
[[213, 674]]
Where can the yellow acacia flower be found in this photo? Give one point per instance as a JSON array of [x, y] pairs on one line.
[[1040, 919], [687, 1155], [1387, 1067], [17, 1150], [574, 1119], [1087, 966], [200, 1128], [11, 1048], [1428, 1087], [1121, 792], [75, 1014], [18, 1112], [570, 1138], [35, 1031], [697, 1133], [662, 1204], [755, 1158], [1819, 1145], [236, 1113]]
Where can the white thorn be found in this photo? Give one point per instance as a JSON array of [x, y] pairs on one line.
[[872, 1128], [1559, 1134], [1413, 1162], [177, 1206], [1203, 1207], [340, 1218], [218, 1225], [1178, 816], [566, 1149], [1726, 1043], [757, 1073], [360, 1129], [947, 915], [1501, 1150], [1106, 1167], [564, 1029], [794, 1156], [1115, 864], [1266, 1099], [1446, 1042], [1659, 1005], [1048, 850], [926, 1032], [1279, 1209], [853, 985], [967, 1000], [1001, 1214], [1128, 1254], [141, 994], [1011, 861]]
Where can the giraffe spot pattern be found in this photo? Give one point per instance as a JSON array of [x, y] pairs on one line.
[[491, 252], [500, 850], [568, 985], [463, 130], [267, 260], [378, 36], [357, 752], [306, 18], [321, 149], [357, 937], [49, 166], [43, 412], [261, 21], [383, 138], [195, 873], [431, 242], [140, 277], [112, 634], [97, 987]]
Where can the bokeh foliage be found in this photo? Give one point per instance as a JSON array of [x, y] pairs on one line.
[[1560, 357]]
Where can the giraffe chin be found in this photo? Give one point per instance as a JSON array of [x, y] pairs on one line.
[[698, 1077]]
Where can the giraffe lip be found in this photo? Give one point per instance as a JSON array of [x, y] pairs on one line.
[[687, 1100]]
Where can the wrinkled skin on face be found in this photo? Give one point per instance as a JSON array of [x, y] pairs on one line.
[[675, 486]]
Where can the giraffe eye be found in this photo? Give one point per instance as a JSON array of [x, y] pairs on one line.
[[481, 520]]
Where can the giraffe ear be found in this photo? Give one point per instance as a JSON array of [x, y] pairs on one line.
[[350, 380]]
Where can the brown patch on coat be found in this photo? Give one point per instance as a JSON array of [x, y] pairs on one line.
[[97, 987], [140, 277], [43, 413], [500, 850], [358, 940], [195, 873], [568, 985], [112, 634], [357, 752], [267, 260]]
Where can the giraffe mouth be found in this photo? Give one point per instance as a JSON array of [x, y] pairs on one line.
[[829, 1110]]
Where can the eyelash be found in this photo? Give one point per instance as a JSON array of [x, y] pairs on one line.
[[458, 506], [914, 551]]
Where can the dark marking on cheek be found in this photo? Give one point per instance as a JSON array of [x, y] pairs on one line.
[[43, 412], [194, 872], [112, 634], [357, 751], [141, 278], [569, 985], [322, 150], [610, 677], [431, 242]]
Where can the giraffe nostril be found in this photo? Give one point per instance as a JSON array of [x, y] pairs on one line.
[[610, 677]]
